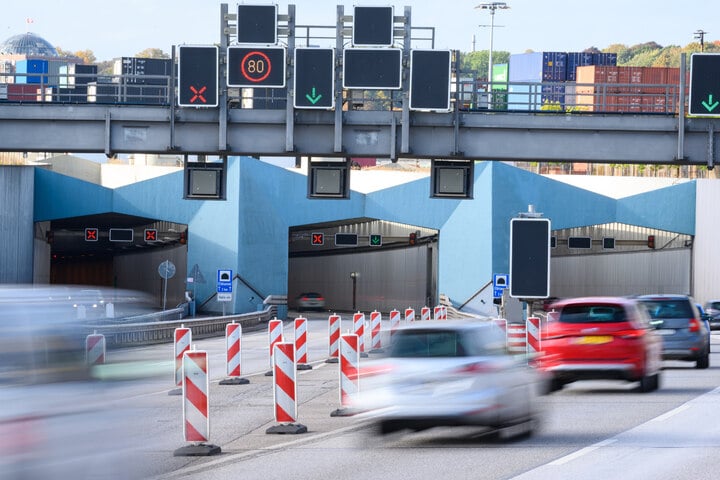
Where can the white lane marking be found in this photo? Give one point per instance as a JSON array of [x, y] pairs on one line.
[[669, 414], [582, 451]]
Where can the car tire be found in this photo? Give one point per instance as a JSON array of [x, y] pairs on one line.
[[649, 383], [555, 385], [703, 362]]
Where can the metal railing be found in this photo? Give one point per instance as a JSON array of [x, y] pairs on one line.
[[471, 96], [148, 333]]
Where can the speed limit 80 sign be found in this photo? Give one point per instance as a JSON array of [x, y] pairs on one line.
[[256, 67]]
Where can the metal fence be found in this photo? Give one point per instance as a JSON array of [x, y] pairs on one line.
[[152, 332]]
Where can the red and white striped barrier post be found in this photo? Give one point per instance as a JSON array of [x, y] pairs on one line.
[[409, 315], [182, 340], [285, 389], [502, 324], [444, 312], [424, 314], [534, 342], [95, 349], [196, 405], [275, 335], [349, 374], [394, 321], [359, 330], [437, 313], [516, 338], [334, 325], [375, 327], [301, 335], [233, 347]]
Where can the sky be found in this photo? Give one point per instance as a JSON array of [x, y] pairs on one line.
[[123, 28]]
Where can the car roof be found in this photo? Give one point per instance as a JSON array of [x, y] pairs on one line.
[[449, 325], [664, 296], [602, 300]]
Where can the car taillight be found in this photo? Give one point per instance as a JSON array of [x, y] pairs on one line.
[[477, 367], [694, 325], [630, 334]]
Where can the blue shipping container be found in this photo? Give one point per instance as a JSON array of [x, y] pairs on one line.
[[577, 59], [31, 66], [605, 59]]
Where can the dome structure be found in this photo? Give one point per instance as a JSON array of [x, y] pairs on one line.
[[27, 44]]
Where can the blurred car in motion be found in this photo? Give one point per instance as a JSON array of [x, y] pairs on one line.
[[449, 374], [684, 334], [310, 301], [57, 420], [601, 338], [712, 308], [89, 303]]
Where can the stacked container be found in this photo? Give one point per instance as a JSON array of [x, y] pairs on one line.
[[549, 68], [627, 89]]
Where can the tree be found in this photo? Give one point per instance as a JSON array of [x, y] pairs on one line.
[[87, 56], [152, 53]]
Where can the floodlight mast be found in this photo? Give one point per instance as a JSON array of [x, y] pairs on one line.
[[492, 6]]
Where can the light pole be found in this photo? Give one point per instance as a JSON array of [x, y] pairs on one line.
[[700, 35], [492, 6], [354, 276]]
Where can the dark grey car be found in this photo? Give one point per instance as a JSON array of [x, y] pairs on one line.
[[712, 308], [677, 320]]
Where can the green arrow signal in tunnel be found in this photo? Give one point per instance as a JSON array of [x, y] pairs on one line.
[[314, 97], [709, 104]]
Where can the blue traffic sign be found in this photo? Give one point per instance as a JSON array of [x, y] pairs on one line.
[[224, 281]]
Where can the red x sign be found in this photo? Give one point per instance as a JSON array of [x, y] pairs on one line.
[[91, 234], [151, 235], [198, 94], [318, 239]]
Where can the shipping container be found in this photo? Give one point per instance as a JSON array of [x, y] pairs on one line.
[[77, 94], [23, 92], [77, 74], [577, 59], [625, 88], [136, 68], [499, 86], [24, 69], [538, 67], [604, 59]]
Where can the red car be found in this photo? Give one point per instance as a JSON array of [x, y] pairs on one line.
[[608, 338]]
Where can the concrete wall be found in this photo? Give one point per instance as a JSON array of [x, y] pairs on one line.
[[17, 188]]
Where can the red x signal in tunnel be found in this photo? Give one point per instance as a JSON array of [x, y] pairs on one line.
[[317, 239]]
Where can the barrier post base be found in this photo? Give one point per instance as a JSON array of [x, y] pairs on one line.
[[177, 391], [269, 373], [304, 366], [199, 450], [235, 381], [288, 428], [332, 360], [344, 412], [377, 350]]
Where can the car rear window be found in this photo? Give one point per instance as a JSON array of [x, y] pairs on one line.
[[592, 314], [714, 305], [425, 343], [669, 308]]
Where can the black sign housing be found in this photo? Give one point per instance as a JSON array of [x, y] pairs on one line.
[[314, 78], [529, 258], [704, 85], [197, 76], [372, 68], [257, 24], [430, 80]]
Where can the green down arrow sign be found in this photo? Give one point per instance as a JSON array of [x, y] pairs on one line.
[[709, 104], [314, 97]]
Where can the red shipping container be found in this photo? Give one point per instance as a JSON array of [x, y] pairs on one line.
[[22, 92]]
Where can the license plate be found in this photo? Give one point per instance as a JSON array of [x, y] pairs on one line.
[[665, 331], [595, 339]]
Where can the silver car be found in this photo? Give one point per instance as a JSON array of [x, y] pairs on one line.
[[440, 374]]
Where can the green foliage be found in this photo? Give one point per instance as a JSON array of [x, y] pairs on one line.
[[478, 62]]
